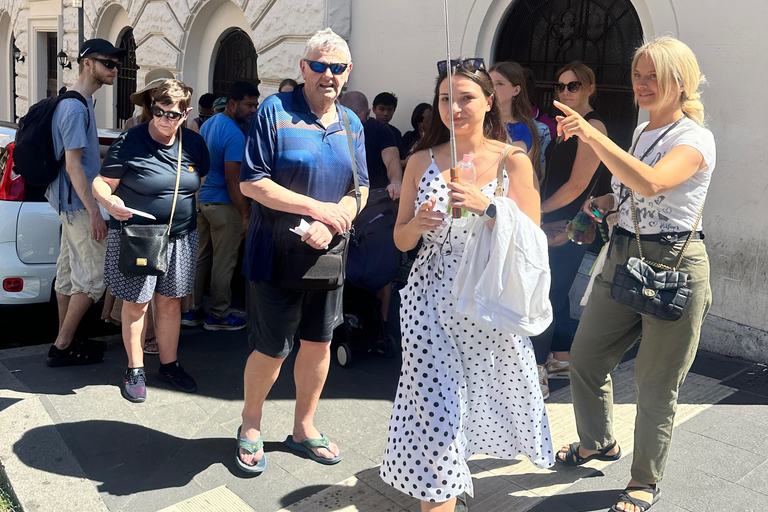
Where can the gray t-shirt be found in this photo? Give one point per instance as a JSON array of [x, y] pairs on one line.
[[71, 130]]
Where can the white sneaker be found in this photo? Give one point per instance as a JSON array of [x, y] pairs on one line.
[[543, 381], [558, 369]]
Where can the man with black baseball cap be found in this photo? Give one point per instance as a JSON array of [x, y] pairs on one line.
[[101, 46], [80, 267]]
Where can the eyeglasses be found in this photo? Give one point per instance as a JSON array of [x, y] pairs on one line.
[[169, 114], [337, 68], [473, 64], [109, 64], [572, 86]]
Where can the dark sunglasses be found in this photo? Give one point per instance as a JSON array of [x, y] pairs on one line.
[[473, 64], [337, 68], [169, 114], [572, 86], [109, 64]]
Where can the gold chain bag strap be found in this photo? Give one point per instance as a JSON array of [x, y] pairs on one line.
[[662, 294], [499, 191], [144, 248]]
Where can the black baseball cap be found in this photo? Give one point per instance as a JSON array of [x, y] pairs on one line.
[[101, 46]]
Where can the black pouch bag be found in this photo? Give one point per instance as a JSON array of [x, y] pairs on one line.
[[295, 264], [144, 248], [299, 266]]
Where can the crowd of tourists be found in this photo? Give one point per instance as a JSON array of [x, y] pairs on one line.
[[485, 312]]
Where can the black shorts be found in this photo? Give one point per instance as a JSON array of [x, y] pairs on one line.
[[275, 315]]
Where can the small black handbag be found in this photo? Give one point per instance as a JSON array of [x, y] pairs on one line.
[[144, 248], [661, 294], [298, 266]]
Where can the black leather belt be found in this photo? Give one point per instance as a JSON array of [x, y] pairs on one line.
[[661, 238]]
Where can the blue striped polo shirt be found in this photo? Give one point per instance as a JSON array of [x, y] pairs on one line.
[[287, 143]]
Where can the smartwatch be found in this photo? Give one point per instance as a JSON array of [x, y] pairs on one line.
[[490, 211]]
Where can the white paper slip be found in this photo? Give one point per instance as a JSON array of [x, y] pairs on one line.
[[301, 228], [138, 212]]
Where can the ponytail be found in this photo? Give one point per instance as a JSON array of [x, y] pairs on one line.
[[692, 107]]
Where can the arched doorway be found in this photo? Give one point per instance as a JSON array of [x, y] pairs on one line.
[[126, 78], [235, 60], [545, 35]]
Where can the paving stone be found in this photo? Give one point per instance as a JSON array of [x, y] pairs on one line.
[[738, 432], [756, 479], [695, 490]]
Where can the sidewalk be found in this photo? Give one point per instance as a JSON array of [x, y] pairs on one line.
[[69, 442]]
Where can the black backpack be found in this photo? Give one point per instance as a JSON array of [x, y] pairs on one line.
[[34, 157], [373, 260]]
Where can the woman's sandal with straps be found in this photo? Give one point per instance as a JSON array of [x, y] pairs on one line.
[[572, 457], [643, 505]]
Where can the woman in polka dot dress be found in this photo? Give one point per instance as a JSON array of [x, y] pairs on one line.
[[464, 388]]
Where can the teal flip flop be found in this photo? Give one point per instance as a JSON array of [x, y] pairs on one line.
[[305, 447], [251, 447]]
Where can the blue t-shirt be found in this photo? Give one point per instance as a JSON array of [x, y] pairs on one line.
[[518, 131], [225, 143], [72, 130], [287, 143]]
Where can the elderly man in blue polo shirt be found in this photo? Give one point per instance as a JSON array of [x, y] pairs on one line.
[[297, 160]]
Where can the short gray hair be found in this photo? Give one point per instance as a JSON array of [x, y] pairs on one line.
[[356, 102], [327, 40]]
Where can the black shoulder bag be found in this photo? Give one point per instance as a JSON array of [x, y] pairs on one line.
[[663, 294], [144, 248], [295, 264]]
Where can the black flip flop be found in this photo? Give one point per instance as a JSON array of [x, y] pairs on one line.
[[624, 497], [572, 457]]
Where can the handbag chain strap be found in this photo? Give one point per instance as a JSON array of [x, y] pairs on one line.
[[634, 210], [348, 129], [176, 189], [500, 172]]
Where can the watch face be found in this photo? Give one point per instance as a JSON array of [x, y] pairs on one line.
[[491, 211]]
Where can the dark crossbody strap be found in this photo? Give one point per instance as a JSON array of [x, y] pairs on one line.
[[348, 129], [634, 210]]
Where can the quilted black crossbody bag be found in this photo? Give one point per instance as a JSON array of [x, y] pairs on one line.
[[662, 293], [144, 248], [298, 266]]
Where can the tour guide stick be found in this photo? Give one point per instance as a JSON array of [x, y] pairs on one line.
[[455, 212]]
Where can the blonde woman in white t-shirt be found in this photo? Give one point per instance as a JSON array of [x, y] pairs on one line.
[[668, 171]]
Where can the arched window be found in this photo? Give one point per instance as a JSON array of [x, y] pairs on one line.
[[236, 60], [126, 78], [545, 35]]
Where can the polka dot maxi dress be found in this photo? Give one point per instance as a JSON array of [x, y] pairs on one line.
[[464, 388]]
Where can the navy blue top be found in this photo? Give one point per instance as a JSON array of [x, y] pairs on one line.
[[287, 143], [378, 137]]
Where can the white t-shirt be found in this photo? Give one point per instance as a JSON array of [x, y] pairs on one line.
[[676, 209]]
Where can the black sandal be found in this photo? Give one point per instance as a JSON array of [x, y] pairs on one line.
[[625, 497], [572, 457], [76, 354]]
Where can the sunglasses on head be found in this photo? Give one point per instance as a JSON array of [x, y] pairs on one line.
[[169, 114], [572, 86], [109, 64], [336, 68], [473, 64]]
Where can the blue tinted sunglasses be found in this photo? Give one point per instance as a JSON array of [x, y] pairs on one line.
[[337, 68]]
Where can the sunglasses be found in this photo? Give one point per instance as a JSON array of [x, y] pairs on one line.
[[337, 68], [473, 64], [572, 86], [169, 114], [109, 64]]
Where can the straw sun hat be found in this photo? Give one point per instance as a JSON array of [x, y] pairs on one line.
[[154, 79]]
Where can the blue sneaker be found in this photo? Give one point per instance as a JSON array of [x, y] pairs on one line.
[[193, 318], [228, 323]]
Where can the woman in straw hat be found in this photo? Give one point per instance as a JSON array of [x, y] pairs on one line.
[[143, 97]]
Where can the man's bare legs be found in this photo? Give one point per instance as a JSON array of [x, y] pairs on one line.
[[310, 372], [261, 372], [72, 309]]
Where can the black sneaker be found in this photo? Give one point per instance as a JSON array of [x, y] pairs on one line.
[[134, 388], [175, 374], [76, 354]]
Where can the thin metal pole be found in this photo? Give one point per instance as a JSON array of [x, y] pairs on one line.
[[452, 141]]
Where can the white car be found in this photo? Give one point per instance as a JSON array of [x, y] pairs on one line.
[[30, 232]]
